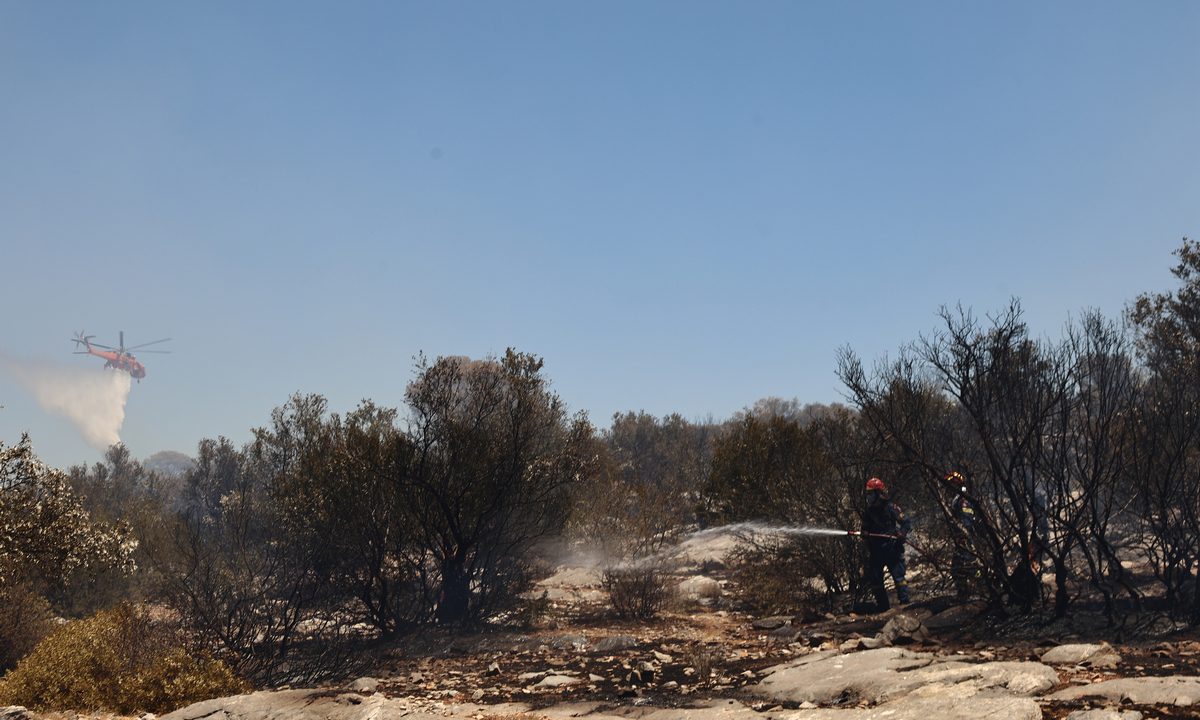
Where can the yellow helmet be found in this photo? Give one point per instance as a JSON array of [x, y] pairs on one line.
[[954, 477]]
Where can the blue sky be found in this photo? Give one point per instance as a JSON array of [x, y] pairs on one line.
[[682, 206]]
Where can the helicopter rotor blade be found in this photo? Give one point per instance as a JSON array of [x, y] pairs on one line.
[[106, 347], [159, 352], [152, 342]]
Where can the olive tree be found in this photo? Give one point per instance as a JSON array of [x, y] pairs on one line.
[[648, 485], [1166, 463], [46, 534], [494, 458]]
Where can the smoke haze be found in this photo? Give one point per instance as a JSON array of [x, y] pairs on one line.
[[93, 400]]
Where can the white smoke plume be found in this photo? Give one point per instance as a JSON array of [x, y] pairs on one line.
[[93, 400]]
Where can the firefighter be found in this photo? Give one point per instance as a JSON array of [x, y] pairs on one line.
[[885, 529], [964, 564]]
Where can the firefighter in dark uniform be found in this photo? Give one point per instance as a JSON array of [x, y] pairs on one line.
[[884, 528], [964, 564]]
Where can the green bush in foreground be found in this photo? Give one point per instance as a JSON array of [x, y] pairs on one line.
[[116, 660], [25, 618]]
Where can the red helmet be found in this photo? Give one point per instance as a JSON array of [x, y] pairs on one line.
[[876, 484]]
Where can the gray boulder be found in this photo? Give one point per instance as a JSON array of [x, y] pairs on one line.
[[954, 617], [875, 676], [14, 712], [555, 681], [1099, 655], [615, 643], [1179, 690], [298, 705], [568, 643], [903, 629], [366, 685], [936, 704], [948, 705], [699, 587], [1105, 715]]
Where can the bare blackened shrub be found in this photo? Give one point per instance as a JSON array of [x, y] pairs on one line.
[[797, 576], [340, 483], [640, 590], [244, 585], [702, 659]]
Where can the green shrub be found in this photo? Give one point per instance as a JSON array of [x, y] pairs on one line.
[[117, 660], [25, 619]]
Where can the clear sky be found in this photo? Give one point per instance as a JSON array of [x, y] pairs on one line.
[[682, 206]]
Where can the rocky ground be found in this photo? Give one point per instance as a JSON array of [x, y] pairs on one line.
[[705, 661]]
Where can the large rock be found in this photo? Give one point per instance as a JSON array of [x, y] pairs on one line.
[[556, 681], [935, 702], [1180, 690], [366, 685], [700, 710], [699, 587], [1098, 714], [903, 629], [954, 617], [572, 584], [874, 676], [942, 704], [957, 702], [299, 705], [14, 712], [1096, 655], [568, 643]]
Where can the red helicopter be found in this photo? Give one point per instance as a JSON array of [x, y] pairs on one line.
[[117, 357]]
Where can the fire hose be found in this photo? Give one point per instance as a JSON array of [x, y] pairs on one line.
[[902, 538]]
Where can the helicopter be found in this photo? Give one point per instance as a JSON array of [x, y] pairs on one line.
[[120, 357]]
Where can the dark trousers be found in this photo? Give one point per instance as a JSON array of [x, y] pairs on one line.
[[891, 556], [967, 574]]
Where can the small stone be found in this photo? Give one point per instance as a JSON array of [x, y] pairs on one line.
[[553, 681]]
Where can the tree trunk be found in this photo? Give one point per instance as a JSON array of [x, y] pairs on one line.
[[455, 600]]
